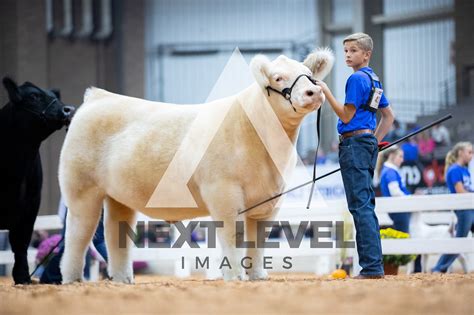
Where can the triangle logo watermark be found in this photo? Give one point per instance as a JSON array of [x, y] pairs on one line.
[[172, 190]]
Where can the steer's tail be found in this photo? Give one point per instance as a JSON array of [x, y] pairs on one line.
[[320, 61]]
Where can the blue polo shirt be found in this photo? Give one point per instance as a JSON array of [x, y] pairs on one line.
[[457, 173], [410, 151], [358, 88], [389, 175]]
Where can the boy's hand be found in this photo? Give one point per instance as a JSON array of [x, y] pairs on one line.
[[323, 86], [383, 144]]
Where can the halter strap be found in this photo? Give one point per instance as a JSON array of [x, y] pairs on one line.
[[286, 92], [41, 114]]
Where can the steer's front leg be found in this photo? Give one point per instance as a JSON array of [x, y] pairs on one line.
[[257, 270], [20, 237], [224, 206]]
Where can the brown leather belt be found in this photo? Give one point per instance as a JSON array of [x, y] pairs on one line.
[[353, 133]]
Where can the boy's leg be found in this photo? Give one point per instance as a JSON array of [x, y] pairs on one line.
[[357, 157]]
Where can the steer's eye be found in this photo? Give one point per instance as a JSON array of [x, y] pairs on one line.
[[278, 79], [34, 97]]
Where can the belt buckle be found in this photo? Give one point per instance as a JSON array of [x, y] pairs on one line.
[[341, 137]]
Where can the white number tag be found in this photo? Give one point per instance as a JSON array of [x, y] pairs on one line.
[[375, 100]]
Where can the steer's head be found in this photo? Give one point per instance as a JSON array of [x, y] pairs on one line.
[[38, 107], [289, 84]]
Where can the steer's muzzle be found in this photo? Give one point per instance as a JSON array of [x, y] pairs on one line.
[[68, 112]]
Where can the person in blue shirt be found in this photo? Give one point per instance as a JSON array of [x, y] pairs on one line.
[[358, 147], [410, 150], [393, 185], [458, 180]]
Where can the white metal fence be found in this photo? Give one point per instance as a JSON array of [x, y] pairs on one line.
[[295, 213]]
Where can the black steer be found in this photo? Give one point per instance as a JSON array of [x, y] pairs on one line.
[[29, 118]]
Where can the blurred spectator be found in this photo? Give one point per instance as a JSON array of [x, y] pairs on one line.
[[321, 159], [37, 237], [333, 154], [441, 135], [396, 132], [392, 184], [410, 150], [309, 159], [464, 130], [426, 146], [458, 180], [411, 127]]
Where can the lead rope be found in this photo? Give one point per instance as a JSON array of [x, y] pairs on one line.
[[318, 135]]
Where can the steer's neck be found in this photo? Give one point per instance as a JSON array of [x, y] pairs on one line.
[[289, 120]]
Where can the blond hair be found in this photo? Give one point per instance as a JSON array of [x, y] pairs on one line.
[[383, 157], [453, 154], [363, 41]]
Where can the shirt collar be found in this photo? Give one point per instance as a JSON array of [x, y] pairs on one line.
[[391, 165], [366, 69]]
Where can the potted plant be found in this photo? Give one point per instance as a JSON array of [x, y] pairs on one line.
[[392, 262]]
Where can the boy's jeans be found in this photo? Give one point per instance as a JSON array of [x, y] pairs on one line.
[[357, 157]]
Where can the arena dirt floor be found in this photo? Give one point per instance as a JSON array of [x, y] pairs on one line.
[[282, 294]]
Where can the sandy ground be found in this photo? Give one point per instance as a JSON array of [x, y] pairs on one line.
[[282, 294]]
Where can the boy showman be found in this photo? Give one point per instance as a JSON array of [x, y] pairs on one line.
[[358, 147]]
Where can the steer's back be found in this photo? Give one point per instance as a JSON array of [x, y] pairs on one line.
[[112, 138]]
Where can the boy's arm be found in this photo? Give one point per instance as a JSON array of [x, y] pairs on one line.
[[344, 112], [386, 121]]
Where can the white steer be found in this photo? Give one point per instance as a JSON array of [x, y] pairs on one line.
[[119, 148]]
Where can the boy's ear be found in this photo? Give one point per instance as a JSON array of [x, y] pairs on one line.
[[12, 89], [320, 62], [260, 67], [369, 54]]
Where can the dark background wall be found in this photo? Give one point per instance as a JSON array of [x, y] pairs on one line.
[[29, 53]]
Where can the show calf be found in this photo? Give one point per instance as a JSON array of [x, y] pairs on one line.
[[119, 148], [31, 115]]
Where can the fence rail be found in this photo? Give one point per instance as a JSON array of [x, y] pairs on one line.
[[330, 210]]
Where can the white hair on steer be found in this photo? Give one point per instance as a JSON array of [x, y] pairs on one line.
[[119, 148]]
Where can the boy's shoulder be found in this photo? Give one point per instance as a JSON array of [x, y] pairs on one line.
[[358, 76], [364, 74]]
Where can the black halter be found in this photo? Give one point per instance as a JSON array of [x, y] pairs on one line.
[[286, 92], [41, 114]]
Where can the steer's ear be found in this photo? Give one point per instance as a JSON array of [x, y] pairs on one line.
[[320, 62], [260, 66], [12, 89], [57, 93]]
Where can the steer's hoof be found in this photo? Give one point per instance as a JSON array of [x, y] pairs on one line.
[[229, 276], [255, 275], [23, 281], [125, 280], [71, 277], [69, 281]]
